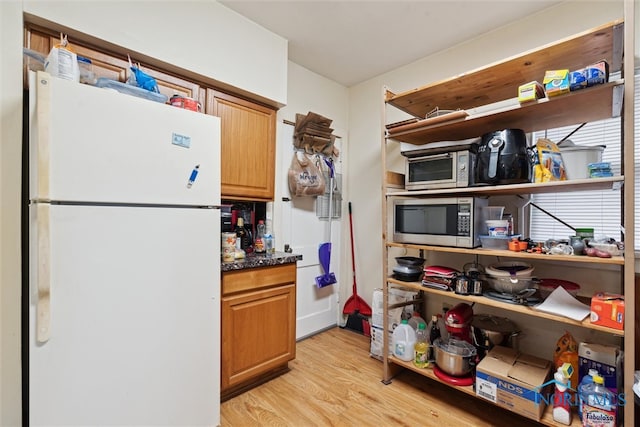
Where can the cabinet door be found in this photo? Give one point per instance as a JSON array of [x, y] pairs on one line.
[[113, 66], [258, 333], [248, 146]]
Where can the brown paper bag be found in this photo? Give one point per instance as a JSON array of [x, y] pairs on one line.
[[305, 176]]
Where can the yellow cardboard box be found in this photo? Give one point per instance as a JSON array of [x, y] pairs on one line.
[[556, 82]]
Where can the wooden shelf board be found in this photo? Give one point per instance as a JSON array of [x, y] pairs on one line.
[[571, 185], [469, 89], [516, 308], [614, 260], [586, 105], [547, 416]]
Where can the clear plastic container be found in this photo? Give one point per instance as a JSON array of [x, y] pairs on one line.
[[404, 340], [493, 212], [497, 242], [131, 90]]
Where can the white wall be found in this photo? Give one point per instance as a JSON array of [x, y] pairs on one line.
[[365, 109], [203, 37]]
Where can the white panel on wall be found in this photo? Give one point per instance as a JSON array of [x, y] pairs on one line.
[[204, 37]]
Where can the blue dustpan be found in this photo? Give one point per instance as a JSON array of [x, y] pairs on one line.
[[324, 254]]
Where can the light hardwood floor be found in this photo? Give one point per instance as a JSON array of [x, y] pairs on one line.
[[334, 382]]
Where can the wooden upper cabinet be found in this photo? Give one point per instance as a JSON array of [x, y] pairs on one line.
[[248, 146], [112, 66]]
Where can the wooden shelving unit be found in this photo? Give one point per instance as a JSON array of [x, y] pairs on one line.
[[487, 97]]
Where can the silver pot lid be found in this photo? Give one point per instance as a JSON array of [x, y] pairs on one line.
[[491, 323]]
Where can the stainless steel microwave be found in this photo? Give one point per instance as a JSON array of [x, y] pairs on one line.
[[444, 170], [442, 221]]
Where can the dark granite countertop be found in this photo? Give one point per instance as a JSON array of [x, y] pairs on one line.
[[260, 260]]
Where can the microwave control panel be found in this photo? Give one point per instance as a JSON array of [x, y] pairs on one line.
[[464, 220]]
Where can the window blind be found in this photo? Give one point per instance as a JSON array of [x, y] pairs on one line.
[[598, 209]]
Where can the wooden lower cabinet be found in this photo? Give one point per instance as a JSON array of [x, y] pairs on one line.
[[258, 326]]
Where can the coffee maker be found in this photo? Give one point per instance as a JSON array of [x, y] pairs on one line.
[[457, 321]]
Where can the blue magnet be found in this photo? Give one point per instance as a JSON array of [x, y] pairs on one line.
[[194, 174]]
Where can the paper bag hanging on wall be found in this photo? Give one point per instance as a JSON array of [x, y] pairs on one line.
[[305, 176]]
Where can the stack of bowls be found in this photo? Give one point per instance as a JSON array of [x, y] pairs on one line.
[[409, 269]]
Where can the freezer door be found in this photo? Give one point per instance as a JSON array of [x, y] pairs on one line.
[[134, 330], [96, 145]]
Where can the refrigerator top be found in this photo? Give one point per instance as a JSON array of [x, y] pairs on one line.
[[96, 145]]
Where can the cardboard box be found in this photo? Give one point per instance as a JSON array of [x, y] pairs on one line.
[[607, 310], [514, 381], [556, 82], [606, 359], [530, 92], [597, 73]]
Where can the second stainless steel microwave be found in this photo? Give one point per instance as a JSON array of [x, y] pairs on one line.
[[442, 221], [444, 170]]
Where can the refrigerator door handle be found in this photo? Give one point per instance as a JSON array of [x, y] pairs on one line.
[[43, 111], [43, 306]]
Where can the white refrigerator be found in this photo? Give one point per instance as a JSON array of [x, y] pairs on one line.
[[124, 260]]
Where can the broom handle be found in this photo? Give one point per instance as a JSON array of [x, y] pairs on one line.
[[353, 256]]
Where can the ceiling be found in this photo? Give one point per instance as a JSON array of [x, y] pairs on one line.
[[351, 41]]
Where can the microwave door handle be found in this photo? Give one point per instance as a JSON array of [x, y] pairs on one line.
[[440, 156]]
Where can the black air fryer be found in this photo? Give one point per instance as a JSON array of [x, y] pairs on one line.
[[503, 158]]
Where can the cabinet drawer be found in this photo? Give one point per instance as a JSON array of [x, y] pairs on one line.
[[257, 278]]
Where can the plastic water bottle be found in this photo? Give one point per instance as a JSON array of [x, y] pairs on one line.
[[599, 407], [258, 244], [421, 348], [587, 379], [268, 243], [404, 340]]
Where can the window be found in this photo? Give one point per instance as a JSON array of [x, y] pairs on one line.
[[600, 209]]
